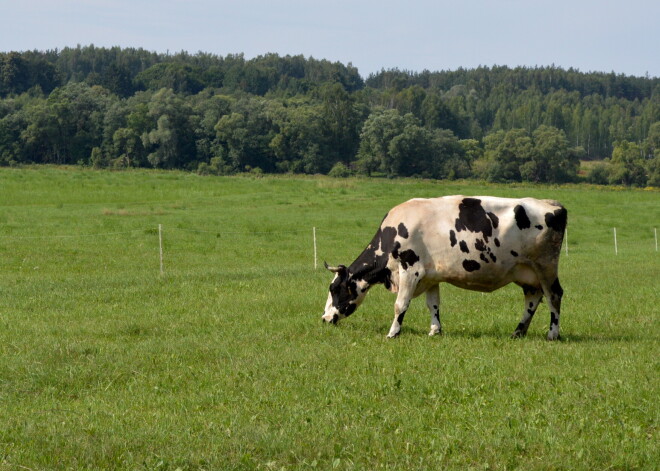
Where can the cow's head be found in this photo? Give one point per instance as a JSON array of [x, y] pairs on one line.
[[345, 295]]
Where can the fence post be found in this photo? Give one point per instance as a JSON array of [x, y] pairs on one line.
[[160, 246], [616, 248], [314, 234]]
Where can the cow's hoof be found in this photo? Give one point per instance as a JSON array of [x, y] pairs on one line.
[[393, 336], [435, 331], [553, 336], [518, 334]]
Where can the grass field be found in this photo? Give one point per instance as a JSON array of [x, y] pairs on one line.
[[222, 363]]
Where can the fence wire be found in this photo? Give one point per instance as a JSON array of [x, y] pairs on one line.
[[314, 237]]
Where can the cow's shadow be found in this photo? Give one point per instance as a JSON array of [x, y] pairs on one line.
[[570, 337], [500, 334], [495, 331]]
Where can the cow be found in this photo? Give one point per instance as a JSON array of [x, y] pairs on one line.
[[479, 243]]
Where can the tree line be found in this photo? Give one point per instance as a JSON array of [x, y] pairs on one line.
[[115, 107]]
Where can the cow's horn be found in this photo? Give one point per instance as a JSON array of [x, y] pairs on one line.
[[334, 269]]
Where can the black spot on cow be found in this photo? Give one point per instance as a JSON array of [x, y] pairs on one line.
[[400, 317], [483, 258], [408, 258], [557, 219], [416, 274], [471, 265], [452, 238], [386, 278], [554, 320], [514, 253], [492, 257], [387, 237], [530, 312], [539, 227], [494, 219], [403, 231], [464, 247], [528, 289], [480, 245], [350, 309], [472, 217], [522, 221], [497, 242], [556, 288]]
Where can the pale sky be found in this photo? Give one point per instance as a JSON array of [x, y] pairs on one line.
[[589, 35]]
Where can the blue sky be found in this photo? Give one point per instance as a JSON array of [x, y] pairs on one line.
[[589, 35]]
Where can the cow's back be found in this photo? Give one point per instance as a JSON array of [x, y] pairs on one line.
[[480, 242]]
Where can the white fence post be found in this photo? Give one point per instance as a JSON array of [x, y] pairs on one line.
[[160, 246], [616, 248], [314, 234]]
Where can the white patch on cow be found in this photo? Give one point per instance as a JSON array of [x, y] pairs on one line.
[[394, 330], [435, 330], [330, 311], [433, 304], [379, 251], [363, 286]]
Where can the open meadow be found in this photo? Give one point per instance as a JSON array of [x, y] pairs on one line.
[[222, 362]]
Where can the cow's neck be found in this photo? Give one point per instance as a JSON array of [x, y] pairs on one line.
[[371, 266]]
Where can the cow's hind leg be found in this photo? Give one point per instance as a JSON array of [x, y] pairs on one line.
[[533, 298], [553, 295], [433, 303]]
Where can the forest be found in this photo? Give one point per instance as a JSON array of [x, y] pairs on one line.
[[126, 107]]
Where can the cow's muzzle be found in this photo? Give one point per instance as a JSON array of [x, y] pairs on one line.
[[331, 320]]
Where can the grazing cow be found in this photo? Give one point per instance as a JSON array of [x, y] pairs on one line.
[[479, 243]]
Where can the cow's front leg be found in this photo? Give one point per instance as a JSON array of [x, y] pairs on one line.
[[433, 303], [406, 291], [532, 300]]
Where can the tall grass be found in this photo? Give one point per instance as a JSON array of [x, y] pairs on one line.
[[223, 362]]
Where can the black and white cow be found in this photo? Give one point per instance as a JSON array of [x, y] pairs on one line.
[[479, 243]]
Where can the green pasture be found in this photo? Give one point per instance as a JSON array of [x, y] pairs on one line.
[[222, 362]]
